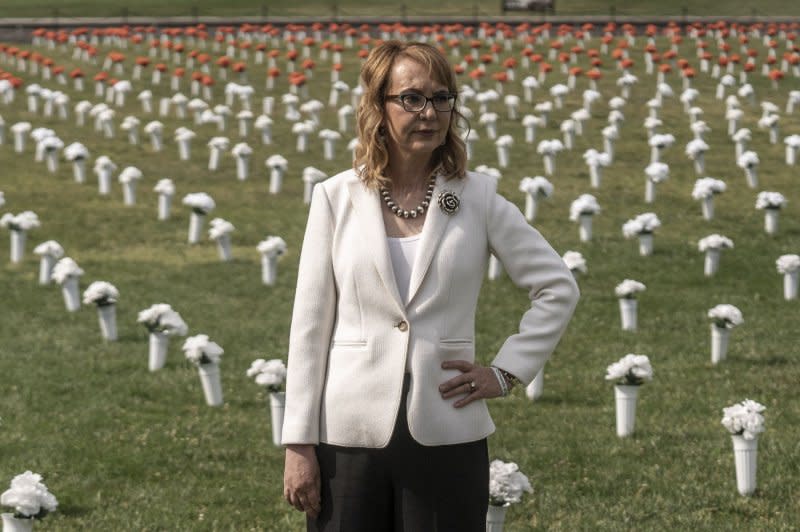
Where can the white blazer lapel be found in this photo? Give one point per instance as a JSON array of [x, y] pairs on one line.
[[367, 206], [432, 232]]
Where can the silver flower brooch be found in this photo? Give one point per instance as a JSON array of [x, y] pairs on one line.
[[448, 202]]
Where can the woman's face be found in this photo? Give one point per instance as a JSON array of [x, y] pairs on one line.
[[414, 133]]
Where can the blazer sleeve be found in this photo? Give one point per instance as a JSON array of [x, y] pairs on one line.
[[535, 266], [313, 317]]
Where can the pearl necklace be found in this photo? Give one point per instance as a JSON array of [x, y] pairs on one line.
[[413, 213]]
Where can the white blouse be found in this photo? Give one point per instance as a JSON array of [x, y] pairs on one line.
[[402, 251]]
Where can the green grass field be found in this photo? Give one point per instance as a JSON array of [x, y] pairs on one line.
[[125, 449], [330, 8]]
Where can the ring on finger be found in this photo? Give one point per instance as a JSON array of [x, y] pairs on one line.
[[472, 386]]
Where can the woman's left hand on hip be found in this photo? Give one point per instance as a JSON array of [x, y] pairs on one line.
[[475, 382]]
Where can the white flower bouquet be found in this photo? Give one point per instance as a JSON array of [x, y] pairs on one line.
[[788, 264], [65, 269], [726, 316], [506, 483], [23, 221], [630, 370], [101, 293], [628, 289], [50, 248], [714, 241], [585, 204], [165, 187], [29, 497], [200, 202], [575, 261], [219, 228], [744, 419], [161, 318], [770, 200], [642, 224], [536, 186], [199, 350], [268, 373], [272, 246], [707, 187]]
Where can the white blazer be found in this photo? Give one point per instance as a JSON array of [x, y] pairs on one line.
[[350, 332]]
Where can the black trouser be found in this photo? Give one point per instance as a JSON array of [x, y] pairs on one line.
[[405, 486]]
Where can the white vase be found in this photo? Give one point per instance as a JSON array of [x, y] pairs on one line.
[[585, 227], [495, 268], [649, 191], [745, 454], [275, 180], [752, 177], [129, 193], [17, 245], [308, 191], [157, 356], [627, 312], [771, 221], [46, 269], [719, 343], [70, 292], [530, 207], [269, 269], [790, 285], [707, 206], [645, 244], [104, 182], [164, 204], [535, 389], [195, 227], [495, 518], [212, 384], [711, 263], [625, 396], [15, 524], [277, 405], [224, 247], [107, 315]]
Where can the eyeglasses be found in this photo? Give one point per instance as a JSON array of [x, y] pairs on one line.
[[415, 103]]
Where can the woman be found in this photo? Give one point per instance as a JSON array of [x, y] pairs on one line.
[[386, 421]]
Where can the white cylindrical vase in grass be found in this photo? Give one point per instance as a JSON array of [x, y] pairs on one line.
[[277, 165], [489, 121], [771, 203], [712, 245], [18, 226], [77, 154], [704, 191], [658, 143], [789, 267], [311, 176], [20, 132], [220, 231], [130, 124], [535, 189], [792, 147], [329, 138], [582, 210], [201, 204], [535, 389], [548, 150], [723, 318], [49, 252], [263, 125], [302, 130], [105, 296], [155, 130], [183, 137], [695, 150], [506, 486], [470, 139], [629, 372], [344, 113], [29, 499], [626, 293], [205, 354], [66, 273], [495, 268], [162, 322], [104, 167], [271, 374], [128, 178], [165, 189], [642, 227], [242, 152], [745, 422], [530, 123], [271, 249], [749, 162], [51, 146], [503, 145], [596, 160], [216, 147], [656, 173]]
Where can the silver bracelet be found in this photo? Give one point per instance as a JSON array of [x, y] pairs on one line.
[[501, 380]]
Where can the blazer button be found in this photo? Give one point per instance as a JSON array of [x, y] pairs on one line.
[[403, 326]]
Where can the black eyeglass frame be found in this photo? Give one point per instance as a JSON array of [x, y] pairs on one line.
[[451, 99]]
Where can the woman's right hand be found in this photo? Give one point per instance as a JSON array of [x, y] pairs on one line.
[[301, 480]]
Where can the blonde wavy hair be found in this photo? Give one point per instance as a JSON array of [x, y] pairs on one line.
[[371, 158]]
